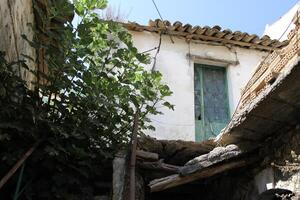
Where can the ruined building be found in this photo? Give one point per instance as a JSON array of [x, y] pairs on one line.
[[237, 112], [235, 130]]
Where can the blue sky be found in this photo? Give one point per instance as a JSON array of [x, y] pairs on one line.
[[245, 15]]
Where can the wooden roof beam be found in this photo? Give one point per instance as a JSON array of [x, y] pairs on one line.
[[174, 180]]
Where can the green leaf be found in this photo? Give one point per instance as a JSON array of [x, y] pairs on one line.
[[168, 105]]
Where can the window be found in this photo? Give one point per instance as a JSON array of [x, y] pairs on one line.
[[211, 101]]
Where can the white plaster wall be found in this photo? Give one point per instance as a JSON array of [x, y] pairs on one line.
[[280, 28], [178, 72]]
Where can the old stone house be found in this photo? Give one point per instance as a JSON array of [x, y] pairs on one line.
[[256, 155], [211, 72]]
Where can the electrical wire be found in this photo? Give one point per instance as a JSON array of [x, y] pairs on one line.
[[160, 16], [157, 10], [157, 51]]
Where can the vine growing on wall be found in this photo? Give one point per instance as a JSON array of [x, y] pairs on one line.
[[88, 85]]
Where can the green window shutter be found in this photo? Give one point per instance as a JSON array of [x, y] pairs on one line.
[[211, 101]]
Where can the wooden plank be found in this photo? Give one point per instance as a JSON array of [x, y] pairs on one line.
[[18, 164], [176, 180], [144, 155], [215, 61]]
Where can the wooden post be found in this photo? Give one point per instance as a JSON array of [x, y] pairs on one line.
[[18, 164], [133, 157]]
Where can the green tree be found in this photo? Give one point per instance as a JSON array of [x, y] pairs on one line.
[[81, 111]]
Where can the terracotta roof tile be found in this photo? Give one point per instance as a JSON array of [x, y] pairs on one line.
[[208, 34]]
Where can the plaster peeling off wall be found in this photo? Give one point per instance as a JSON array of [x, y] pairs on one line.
[[16, 18]]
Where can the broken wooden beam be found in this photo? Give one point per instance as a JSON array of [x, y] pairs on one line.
[[176, 180], [145, 155]]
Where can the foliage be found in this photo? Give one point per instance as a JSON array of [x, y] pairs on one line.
[[81, 111]]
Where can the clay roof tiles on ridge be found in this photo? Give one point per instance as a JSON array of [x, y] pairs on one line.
[[208, 34]]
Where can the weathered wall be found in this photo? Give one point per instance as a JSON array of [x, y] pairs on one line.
[[284, 171], [287, 163], [16, 18], [178, 72]]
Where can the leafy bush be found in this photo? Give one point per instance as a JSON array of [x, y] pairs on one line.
[[81, 110]]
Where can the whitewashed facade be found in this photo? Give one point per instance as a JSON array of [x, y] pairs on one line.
[[178, 72]]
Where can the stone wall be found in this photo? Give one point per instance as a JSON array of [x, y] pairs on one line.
[[282, 164], [16, 19], [287, 163]]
